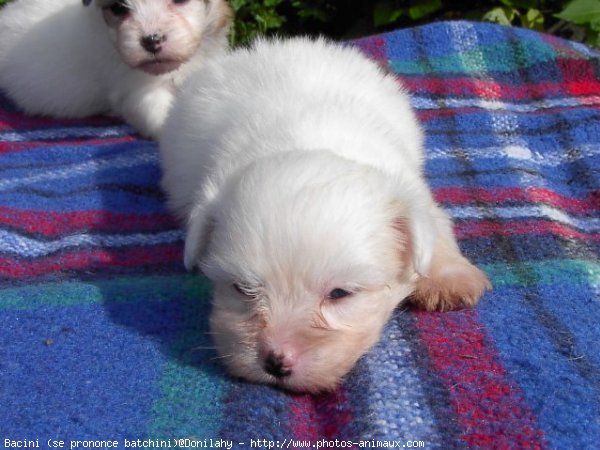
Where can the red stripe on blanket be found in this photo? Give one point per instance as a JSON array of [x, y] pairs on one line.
[[488, 405], [467, 88], [487, 89], [486, 228], [373, 47], [90, 260], [301, 419], [461, 196], [579, 76], [323, 416], [21, 122], [58, 224]]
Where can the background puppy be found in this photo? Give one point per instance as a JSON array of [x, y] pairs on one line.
[[61, 59], [297, 166]]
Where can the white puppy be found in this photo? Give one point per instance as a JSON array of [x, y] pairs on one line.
[[297, 166], [62, 59]]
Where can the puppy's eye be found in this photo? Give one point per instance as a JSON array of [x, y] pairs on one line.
[[338, 293], [243, 290], [180, 2], [119, 9]]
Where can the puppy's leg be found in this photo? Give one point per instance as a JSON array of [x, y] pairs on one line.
[[453, 282], [146, 109]]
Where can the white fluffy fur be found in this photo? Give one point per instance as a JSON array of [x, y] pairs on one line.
[[62, 59], [297, 167]]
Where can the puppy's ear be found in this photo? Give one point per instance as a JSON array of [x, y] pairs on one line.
[[199, 229], [87, 2]]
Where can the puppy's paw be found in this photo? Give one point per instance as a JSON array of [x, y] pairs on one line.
[[147, 110], [453, 283]]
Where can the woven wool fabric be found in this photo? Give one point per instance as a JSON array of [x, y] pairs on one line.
[[102, 332]]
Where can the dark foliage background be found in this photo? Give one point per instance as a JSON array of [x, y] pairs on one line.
[[577, 19]]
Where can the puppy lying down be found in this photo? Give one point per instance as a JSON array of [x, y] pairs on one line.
[[297, 166], [59, 58]]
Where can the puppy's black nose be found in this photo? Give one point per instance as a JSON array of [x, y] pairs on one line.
[[274, 365], [152, 43]]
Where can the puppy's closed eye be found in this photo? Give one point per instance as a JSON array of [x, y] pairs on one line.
[[239, 289], [338, 293], [247, 292]]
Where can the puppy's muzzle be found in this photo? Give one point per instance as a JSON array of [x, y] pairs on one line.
[[277, 365], [152, 43]]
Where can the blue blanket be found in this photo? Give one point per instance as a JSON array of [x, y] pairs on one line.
[[103, 334]]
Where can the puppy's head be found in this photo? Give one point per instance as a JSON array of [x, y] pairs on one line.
[[157, 36], [309, 255]]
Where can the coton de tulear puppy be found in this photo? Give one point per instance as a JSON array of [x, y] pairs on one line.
[[297, 167], [62, 59]]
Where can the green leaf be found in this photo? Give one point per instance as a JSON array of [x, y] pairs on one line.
[[424, 9], [268, 19], [273, 3], [237, 4], [593, 35], [313, 13], [500, 15], [581, 12], [384, 13], [533, 19]]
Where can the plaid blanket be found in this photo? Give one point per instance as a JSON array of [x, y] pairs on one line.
[[103, 334]]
